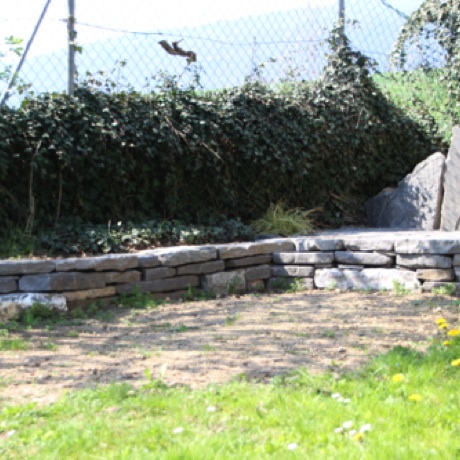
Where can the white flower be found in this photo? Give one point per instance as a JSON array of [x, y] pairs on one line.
[[338, 430], [347, 425], [352, 432], [335, 395], [346, 400], [178, 430], [340, 399], [366, 427], [292, 446], [211, 409]]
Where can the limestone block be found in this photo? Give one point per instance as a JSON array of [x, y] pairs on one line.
[[450, 212], [248, 261], [88, 294], [318, 244], [350, 267], [433, 245], [364, 258], [201, 269], [162, 285], [428, 286], [261, 272], [12, 305], [117, 262], [236, 250], [416, 203], [435, 274], [172, 257], [284, 283], [456, 261], [72, 281], [457, 273], [157, 273], [131, 276], [303, 258], [423, 261], [295, 271], [25, 267], [369, 244], [8, 284], [369, 278], [225, 282], [147, 260]]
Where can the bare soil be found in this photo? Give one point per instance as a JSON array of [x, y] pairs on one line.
[[215, 341]]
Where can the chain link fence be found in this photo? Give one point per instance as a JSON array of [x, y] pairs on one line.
[[213, 44]]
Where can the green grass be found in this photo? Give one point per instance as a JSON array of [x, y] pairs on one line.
[[295, 416], [13, 344]]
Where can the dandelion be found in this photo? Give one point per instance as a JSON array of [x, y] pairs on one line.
[[455, 362], [178, 430], [358, 437], [211, 409], [440, 321], [415, 397], [338, 430], [443, 325], [453, 332], [398, 378], [446, 343], [292, 446], [347, 425], [335, 395], [352, 433]]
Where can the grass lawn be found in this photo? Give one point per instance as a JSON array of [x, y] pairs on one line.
[[404, 405]]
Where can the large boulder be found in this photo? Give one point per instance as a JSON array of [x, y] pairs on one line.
[[450, 213], [12, 305], [415, 203]]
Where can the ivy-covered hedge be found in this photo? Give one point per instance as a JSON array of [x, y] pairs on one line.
[[181, 154]]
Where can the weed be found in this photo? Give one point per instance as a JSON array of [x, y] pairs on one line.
[[181, 328], [329, 333], [78, 313], [295, 286], [13, 345], [285, 222], [208, 347], [233, 285], [399, 289], [194, 294], [48, 345], [138, 299], [446, 289], [155, 383], [332, 286], [73, 333], [231, 319]]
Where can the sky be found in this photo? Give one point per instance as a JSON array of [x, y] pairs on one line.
[[20, 16]]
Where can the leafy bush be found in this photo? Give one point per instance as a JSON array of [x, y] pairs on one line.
[[181, 154]]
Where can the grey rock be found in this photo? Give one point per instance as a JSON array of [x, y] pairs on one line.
[[73, 281], [88, 294], [147, 260], [450, 212], [248, 261], [201, 269], [364, 258], [456, 261], [8, 284], [350, 267], [416, 203], [369, 244], [25, 267], [117, 262], [295, 271], [172, 257], [457, 273], [237, 250], [225, 283], [318, 244], [423, 261], [257, 273], [151, 274], [131, 276], [369, 278], [432, 245], [284, 283], [435, 274], [162, 285], [303, 258], [12, 305], [256, 285]]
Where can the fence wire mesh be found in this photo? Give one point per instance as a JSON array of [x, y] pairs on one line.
[[219, 45]]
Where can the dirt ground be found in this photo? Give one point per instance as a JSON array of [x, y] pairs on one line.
[[215, 341]]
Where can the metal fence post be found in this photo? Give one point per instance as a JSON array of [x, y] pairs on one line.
[[71, 41]]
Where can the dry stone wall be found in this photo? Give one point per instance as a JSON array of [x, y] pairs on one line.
[[413, 260]]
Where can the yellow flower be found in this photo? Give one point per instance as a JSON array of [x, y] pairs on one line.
[[397, 378], [446, 343], [453, 332], [358, 436], [415, 398], [455, 362], [443, 325], [440, 321]]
